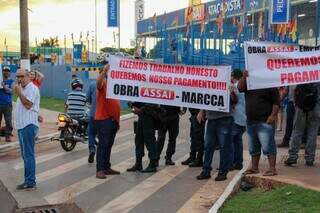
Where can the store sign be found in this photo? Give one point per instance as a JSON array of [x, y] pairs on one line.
[[194, 2], [280, 11], [198, 12], [139, 12], [113, 15], [231, 7]]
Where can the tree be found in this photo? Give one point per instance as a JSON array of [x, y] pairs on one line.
[[50, 42]]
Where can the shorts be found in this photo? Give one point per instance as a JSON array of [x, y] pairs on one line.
[[261, 136]]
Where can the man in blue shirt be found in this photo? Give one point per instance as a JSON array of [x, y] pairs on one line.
[[92, 131], [6, 102]]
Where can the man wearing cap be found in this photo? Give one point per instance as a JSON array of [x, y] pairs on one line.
[[6, 102]]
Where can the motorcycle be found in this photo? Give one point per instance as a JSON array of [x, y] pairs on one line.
[[72, 131]]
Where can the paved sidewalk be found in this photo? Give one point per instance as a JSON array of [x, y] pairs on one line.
[[299, 174]]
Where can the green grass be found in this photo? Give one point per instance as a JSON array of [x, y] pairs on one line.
[[56, 104], [288, 199]]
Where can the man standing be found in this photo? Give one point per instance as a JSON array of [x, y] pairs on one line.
[[218, 133], [6, 102], [92, 130], [107, 122], [197, 140], [171, 125], [307, 118], [27, 123], [145, 135], [261, 109]]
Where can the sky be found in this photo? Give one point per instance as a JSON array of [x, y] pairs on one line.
[[63, 17]]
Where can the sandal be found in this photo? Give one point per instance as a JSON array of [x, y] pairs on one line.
[[270, 173], [251, 171]]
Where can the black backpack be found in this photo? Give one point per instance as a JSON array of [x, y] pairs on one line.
[[306, 96]]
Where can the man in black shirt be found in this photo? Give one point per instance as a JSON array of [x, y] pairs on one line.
[[261, 108], [145, 129]]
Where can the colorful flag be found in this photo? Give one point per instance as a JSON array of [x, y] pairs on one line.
[[164, 19], [175, 22], [294, 28], [220, 23], [204, 22], [189, 15], [240, 26], [261, 25], [154, 19]]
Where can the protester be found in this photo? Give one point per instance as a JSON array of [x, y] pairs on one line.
[[290, 111], [239, 124], [27, 123], [261, 109], [195, 158], [145, 129], [171, 125], [92, 130], [107, 123], [36, 77], [282, 93], [307, 118], [6, 103], [218, 133]]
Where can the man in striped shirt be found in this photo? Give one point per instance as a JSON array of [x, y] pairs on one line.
[[76, 101]]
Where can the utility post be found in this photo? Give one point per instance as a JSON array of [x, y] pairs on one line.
[[24, 35]]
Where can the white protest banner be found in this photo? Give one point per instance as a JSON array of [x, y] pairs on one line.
[[275, 64], [176, 85]]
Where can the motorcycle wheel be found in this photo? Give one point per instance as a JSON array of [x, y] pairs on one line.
[[67, 144]]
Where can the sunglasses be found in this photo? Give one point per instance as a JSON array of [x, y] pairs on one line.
[[20, 76]]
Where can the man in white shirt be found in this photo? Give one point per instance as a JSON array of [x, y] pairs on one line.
[[27, 123]]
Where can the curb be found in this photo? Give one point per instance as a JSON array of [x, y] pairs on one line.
[[44, 138], [231, 188]]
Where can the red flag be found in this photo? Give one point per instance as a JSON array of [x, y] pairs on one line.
[[175, 22], [164, 18], [240, 27]]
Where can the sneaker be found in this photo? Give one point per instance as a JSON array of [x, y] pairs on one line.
[[221, 177], [204, 175], [111, 172], [290, 162], [309, 163], [91, 157], [149, 169], [26, 187]]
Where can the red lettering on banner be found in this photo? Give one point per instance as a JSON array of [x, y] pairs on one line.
[[278, 64], [130, 64], [300, 77], [157, 93], [127, 76]]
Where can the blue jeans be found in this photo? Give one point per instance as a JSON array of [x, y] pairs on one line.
[[107, 130], [218, 133], [92, 133], [261, 136], [237, 144], [27, 142]]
